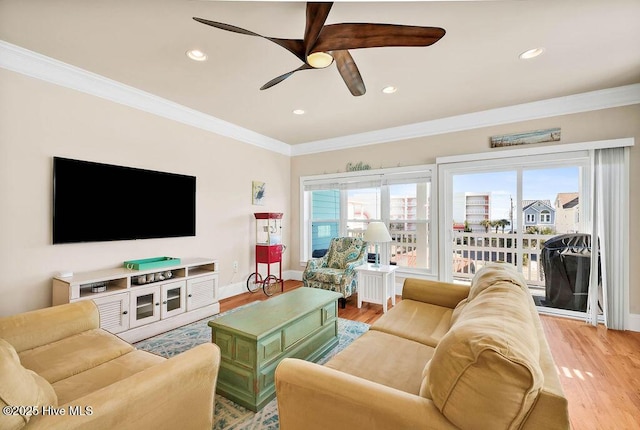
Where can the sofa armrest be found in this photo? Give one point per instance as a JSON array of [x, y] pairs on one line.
[[177, 393], [42, 326], [434, 292], [314, 397]]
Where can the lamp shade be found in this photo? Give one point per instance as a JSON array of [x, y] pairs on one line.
[[377, 232]]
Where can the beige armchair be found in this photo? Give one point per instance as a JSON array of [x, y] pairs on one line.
[[335, 271], [58, 359]]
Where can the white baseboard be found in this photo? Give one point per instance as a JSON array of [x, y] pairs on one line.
[[634, 322], [237, 288], [296, 275], [231, 290]]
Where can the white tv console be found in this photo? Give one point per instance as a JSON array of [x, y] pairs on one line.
[[135, 312]]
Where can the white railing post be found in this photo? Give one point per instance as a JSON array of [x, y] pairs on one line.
[[474, 250]]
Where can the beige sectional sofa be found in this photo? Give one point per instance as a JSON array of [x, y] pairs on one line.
[[59, 370], [447, 356]]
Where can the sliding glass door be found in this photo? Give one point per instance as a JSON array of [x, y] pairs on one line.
[[532, 212]]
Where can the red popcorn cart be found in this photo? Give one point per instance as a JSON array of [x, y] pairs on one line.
[[269, 249]]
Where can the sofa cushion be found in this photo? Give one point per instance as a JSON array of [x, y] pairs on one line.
[[20, 387], [485, 371], [31, 329], [418, 321], [105, 374], [424, 386], [494, 272], [74, 354], [326, 275], [458, 310], [369, 357]]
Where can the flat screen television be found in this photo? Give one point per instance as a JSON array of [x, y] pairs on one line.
[[94, 202]]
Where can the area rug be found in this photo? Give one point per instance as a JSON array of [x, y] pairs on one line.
[[229, 415]]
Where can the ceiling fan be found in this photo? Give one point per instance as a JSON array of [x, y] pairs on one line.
[[324, 44]]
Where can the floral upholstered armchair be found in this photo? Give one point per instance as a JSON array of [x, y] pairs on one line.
[[335, 271]]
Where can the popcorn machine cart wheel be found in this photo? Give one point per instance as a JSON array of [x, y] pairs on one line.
[[269, 249]]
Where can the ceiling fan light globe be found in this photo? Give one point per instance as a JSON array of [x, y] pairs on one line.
[[319, 60]]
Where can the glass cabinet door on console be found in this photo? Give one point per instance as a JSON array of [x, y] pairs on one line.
[[136, 305], [145, 305], [173, 299]]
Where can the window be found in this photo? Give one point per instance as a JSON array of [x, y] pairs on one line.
[[344, 204], [408, 224], [582, 177], [363, 205], [325, 218], [525, 187], [545, 217]]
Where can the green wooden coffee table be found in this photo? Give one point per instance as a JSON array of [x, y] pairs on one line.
[[302, 323]]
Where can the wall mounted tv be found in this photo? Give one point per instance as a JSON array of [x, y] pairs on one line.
[[94, 202]]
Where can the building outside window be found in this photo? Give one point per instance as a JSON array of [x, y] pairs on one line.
[[343, 205]]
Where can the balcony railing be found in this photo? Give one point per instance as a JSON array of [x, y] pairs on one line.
[[403, 246], [471, 251]]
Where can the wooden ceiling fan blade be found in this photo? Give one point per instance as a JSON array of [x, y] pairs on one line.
[[316, 16], [349, 72], [284, 76], [295, 46], [336, 37], [227, 27]]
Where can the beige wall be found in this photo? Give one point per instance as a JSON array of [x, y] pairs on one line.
[[590, 126], [39, 120]]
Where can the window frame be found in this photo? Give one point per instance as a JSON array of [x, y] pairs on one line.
[[384, 178], [545, 216], [529, 161]]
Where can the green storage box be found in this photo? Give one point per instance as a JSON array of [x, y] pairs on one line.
[[151, 263]]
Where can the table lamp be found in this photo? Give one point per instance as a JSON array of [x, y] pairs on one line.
[[377, 233]]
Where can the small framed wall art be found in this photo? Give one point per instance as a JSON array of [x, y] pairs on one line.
[[257, 193], [536, 136]]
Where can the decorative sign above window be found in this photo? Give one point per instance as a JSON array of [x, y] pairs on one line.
[[354, 167], [537, 136]]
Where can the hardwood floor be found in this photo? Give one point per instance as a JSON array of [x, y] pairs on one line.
[[369, 313], [599, 369], [600, 373]]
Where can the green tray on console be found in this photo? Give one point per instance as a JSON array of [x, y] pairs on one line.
[[151, 263]]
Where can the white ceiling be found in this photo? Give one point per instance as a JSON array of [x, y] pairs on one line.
[[589, 45]]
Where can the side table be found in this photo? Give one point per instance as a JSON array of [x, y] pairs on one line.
[[376, 284]]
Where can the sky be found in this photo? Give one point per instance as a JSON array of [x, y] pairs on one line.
[[538, 184]]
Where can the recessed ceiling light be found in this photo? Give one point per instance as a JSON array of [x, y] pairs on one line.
[[298, 112], [197, 55], [389, 89], [531, 53]]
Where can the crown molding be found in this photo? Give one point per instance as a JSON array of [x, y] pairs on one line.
[[35, 65], [590, 101], [29, 63]]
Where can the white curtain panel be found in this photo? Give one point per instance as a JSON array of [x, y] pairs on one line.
[[611, 232]]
